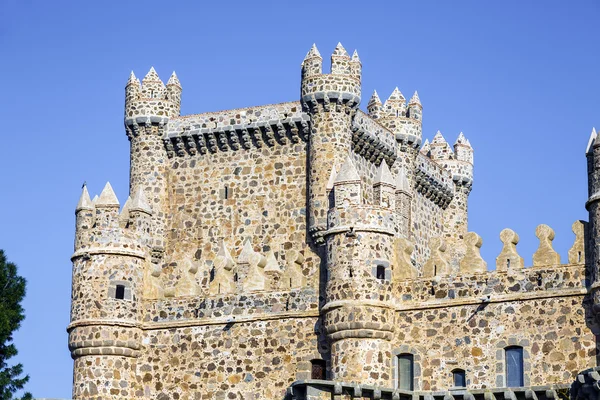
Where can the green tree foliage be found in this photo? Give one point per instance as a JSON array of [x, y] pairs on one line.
[[12, 291]]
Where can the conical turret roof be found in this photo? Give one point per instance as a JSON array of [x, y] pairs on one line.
[[355, 56], [85, 203], [402, 181], [374, 99], [313, 52], [133, 80], [107, 198], [152, 76], [139, 202], [593, 138], [438, 138], [415, 99], [384, 175], [397, 95], [347, 172], [173, 80], [340, 51]]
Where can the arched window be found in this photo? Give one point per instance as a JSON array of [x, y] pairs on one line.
[[317, 369], [119, 290], [405, 371], [459, 378], [513, 357]]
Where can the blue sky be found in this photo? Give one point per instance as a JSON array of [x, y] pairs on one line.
[[519, 78]]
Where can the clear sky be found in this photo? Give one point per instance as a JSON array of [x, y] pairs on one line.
[[519, 78]]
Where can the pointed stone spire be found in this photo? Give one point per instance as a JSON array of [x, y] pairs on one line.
[[461, 139], [331, 180], [397, 95], [593, 137], [375, 100], [426, 147], [355, 56], [347, 172], [133, 80], [313, 52], [140, 203], [173, 80], [438, 138], [124, 216], [107, 198], [384, 175], [85, 203], [224, 256], [402, 181], [152, 76], [247, 252], [340, 51], [95, 200], [415, 99], [272, 264]]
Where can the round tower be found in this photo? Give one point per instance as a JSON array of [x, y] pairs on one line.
[[358, 314], [593, 206], [108, 268], [148, 108], [331, 100]]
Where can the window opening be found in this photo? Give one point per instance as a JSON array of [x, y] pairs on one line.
[[405, 371], [578, 256], [508, 263], [381, 272], [318, 369], [459, 378], [120, 292], [226, 192], [514, 366]]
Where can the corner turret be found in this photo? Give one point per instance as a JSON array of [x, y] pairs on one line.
[[593, 207], [375, 107], [148, 108], [358, 315], [111, 255], [332, 101]]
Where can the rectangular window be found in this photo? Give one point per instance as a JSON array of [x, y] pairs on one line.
[[459, 378], [120, 292], [405, 371], [514, 366], [318, 368]]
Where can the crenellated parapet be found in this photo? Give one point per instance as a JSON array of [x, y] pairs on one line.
[[112, 252], [440, 281], [341, 88], [243, 129], [402, 118], [433, 181], [151, 97], [371, 140]]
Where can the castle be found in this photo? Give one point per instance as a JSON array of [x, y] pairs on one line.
[[310, 250]]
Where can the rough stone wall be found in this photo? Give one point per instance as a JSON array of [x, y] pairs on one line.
[[427, 222], [250, 360], [446, 324], [258, 194]]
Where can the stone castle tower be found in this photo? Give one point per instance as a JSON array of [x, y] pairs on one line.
[[310, 250]]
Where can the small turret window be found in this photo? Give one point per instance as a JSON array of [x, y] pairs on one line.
[[318, 369], [120, 292], [381, 272]]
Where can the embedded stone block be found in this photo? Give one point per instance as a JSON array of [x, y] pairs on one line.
[[545, 254]]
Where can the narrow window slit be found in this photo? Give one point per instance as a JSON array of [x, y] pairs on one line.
[[120, 292]]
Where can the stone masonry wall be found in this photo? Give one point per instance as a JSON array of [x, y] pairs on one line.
[[256, 194], [252, 360]]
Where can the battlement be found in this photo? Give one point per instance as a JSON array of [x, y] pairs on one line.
[[151, 97], [472, 278], [341, 87], [100, 227], [400, 117], [253, 127]]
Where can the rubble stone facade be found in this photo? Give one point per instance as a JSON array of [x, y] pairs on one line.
[[311, 250]]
